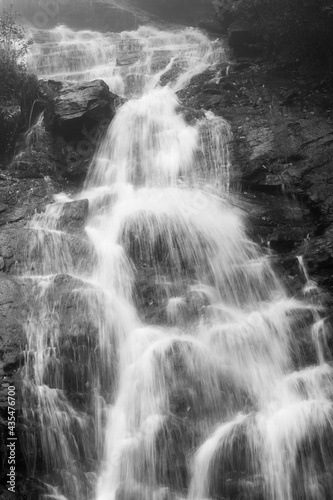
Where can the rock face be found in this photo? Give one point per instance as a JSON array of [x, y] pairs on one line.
[[78, 107], [77, 116], [74, 216], [11, 332], [12, 342], [282, 159], [62, 145]]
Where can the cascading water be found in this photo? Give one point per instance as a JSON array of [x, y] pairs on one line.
[[165, 359], [129, 62]]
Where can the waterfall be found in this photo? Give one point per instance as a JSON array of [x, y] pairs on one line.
[[164, 359]]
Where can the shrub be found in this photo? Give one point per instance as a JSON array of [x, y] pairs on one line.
[[18, 88]]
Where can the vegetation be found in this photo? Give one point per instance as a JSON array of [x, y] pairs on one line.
[[18, 88], [291, 29]]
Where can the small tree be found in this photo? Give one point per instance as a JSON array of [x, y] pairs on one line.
[[13, 37], [18, 88], [14, 45]]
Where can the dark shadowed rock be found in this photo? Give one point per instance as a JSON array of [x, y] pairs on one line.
[[12, 341], [79, 106], [242, 40], [11, 331], [318, 257], [9, 240], [62, 146], [281, 160], [10, 121]]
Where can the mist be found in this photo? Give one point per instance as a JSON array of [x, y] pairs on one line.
[[107, 15]]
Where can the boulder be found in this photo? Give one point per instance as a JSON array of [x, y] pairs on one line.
[[80, 107], [22, 197], [74, 216]]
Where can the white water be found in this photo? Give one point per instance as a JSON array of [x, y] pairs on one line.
[[130, 62], [165, 359]]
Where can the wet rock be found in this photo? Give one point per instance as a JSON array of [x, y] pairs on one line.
[[74, 216], [133, 492], [69, 304], [47, 252], [287, 239], [22, 197], [11, 332], [235, 475], [12, 341], [191, 115], [128, 52], [78, 107], [318, 257], [10, 238], [76, 304], [76, 118]]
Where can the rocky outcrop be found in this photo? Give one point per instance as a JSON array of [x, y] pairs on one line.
[[62, 145], [74, 216], [78, 107], [281, 159], [27, 186], [21, 196]]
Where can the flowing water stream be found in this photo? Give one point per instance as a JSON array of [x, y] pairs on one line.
[[165, 359]]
